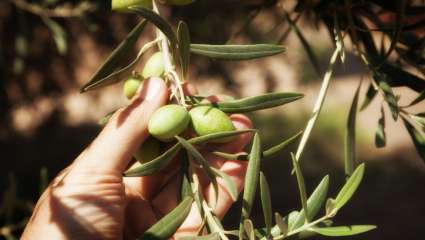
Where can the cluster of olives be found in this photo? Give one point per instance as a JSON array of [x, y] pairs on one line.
[[173, 119]]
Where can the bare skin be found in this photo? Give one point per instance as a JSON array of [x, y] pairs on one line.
[[91, 200]]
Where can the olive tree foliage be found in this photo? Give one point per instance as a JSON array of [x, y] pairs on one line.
[[356, 21]]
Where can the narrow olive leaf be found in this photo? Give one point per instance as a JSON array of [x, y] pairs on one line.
[[370, 95], [400, 15], [283, 227], [156, 164], [279, 147], [266, 202], [340, 231], [314, 202], [330, 206], [417, 138], [228, 182], [349, 187], [318, 104], [186, 189], [388, 93], [291, 218], [105, 119], [249, 229], [397, 77], [200, 159], [59, 34], [310, 53], [380, 136], [251, 180], [212, 236], [301, 187], [350, 136], [232, 156], [418, 99], [339, 39], [255, 103], [167, 226], [236, 52], [158, 21], [219, 135], [184, 47], [116, 60]]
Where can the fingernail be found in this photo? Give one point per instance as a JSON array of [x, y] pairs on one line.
[[151, 89]]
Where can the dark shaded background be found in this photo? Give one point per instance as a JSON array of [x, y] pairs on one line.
[[391, 195]]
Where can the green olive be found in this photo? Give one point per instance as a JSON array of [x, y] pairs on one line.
[[148, 151], [178, 2], [207, 120], [123, 5], [168, 122], [154, 66], [131, 85]]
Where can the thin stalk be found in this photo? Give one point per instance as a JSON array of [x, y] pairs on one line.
[[302, 228], [319, 103]]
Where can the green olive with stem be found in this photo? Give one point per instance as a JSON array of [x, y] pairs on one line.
[[168, 122]]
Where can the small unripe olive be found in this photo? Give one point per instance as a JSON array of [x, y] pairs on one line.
[[178, 2], [207, 120], [123, 5], [168, 122], [148, 151], [154, 66], [130, 86]]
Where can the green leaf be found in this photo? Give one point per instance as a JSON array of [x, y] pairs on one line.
[[330, 206], [310, 53], [255, 103], [291, 218], [350, 136], [123, 5], [397, 77], [212, 236], [343, 230], [301, 187], [283, 227], [232, 156], [115, 61], [400, 15], [228, 182], [314, 202], [380, 136], [162, 160], [105, 119], [388, 93], [154, 165], [184, 47], [418, 99], [159, 22], [200, 160], [279, 147], [236, 52], [249, 229], [59, 34], [167, 226], [417, 138], [349, 187], [266, 202], [370, 94], [339, 39], [251, 180]]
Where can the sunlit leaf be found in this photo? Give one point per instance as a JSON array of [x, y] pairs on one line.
[[184, 47], [249, 229], [266, 202], [301, 186], [388, 93], [350, 136], [167, 226], [283, 227], [115, 61], [349, 187], [279, 147], [228, 182], [255, 103], [343, 230], [251, 180], [314, 202], [236, 52]]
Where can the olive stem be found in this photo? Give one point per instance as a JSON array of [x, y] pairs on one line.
[[170, 72]]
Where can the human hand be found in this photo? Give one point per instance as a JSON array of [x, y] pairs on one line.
[[91, 199]]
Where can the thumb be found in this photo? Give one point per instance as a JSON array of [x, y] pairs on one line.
[[111, 151]]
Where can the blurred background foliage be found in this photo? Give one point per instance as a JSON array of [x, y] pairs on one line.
[[50, 48]]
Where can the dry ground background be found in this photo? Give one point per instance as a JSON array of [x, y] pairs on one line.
[[46, 122]]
